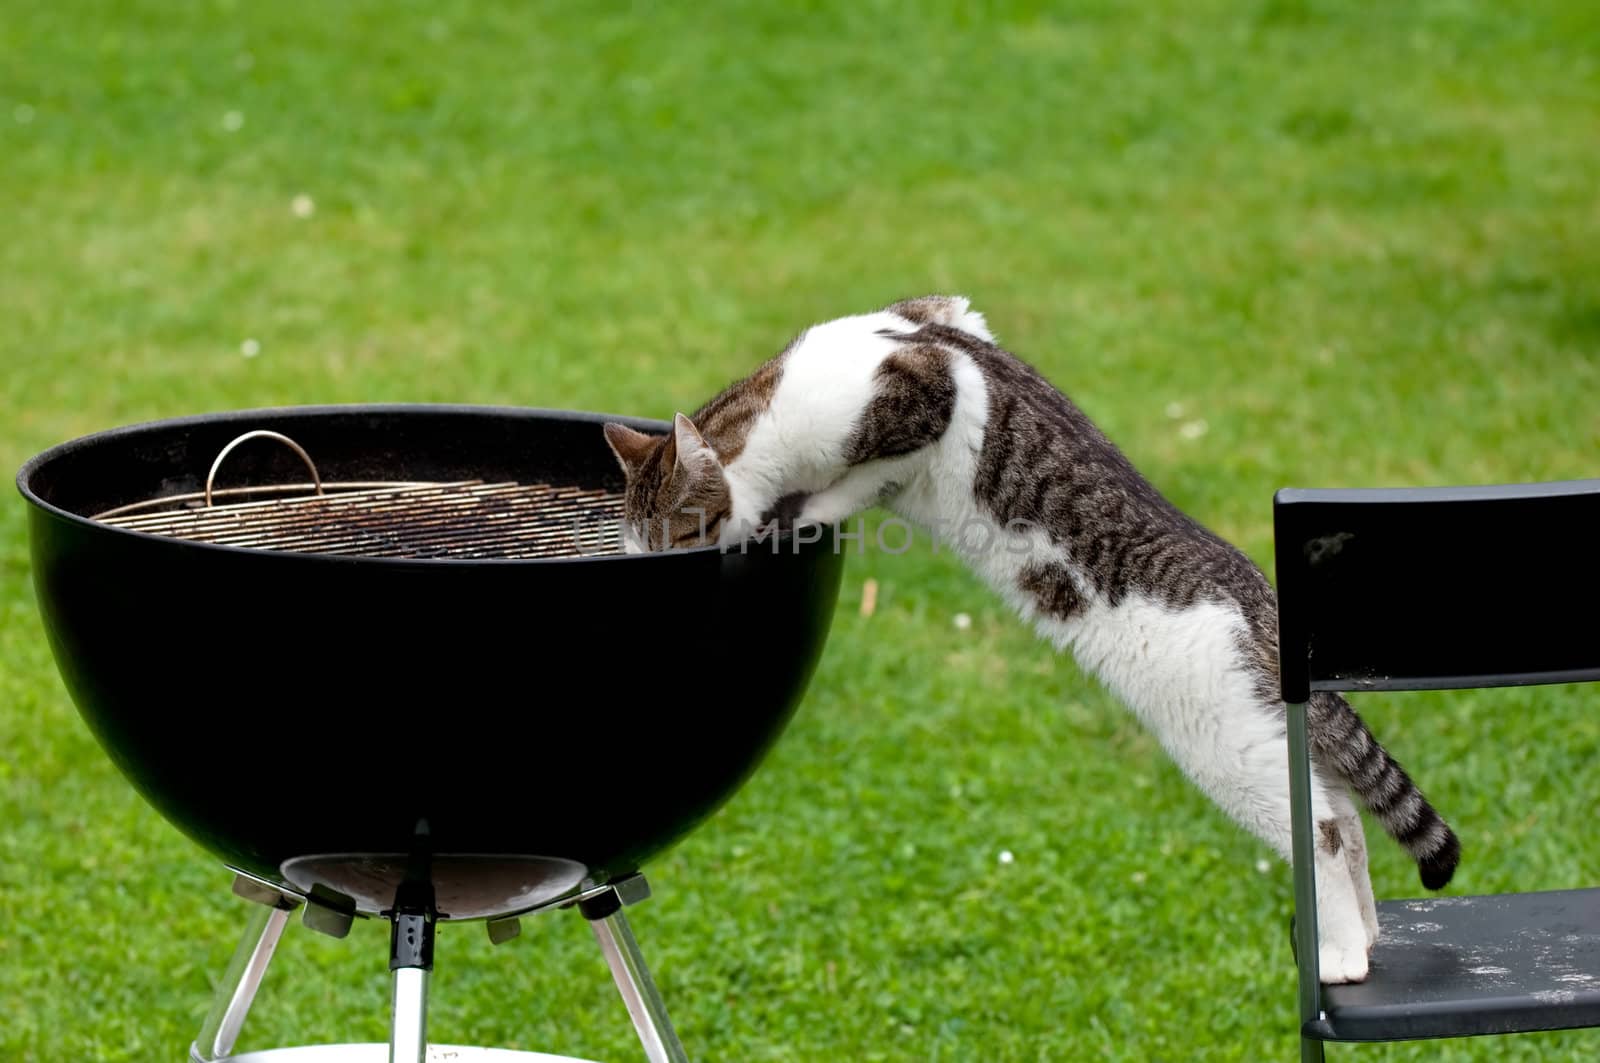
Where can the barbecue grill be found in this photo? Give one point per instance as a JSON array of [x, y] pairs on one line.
[[389, 662]]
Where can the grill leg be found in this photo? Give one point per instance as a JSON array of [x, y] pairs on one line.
[[411, 960], [408, 1031], [241, 979], [638, 989]]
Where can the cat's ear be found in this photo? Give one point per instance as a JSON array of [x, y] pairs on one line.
[[694, 454], [630, 447]]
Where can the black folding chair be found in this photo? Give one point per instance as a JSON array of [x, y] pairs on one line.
[[1440, 589]]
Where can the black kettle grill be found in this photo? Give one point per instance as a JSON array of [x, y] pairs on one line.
[[388, 661]]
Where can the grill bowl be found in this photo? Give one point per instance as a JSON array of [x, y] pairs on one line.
[[553, 722]]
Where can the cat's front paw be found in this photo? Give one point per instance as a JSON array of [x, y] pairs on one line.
[[1341, 964]]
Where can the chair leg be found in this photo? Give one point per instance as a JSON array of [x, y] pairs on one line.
[[1305, 882]]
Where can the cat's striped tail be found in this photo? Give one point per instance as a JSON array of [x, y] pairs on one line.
[[1340, 741]]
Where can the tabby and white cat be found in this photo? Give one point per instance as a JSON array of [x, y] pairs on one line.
[[916, 408]]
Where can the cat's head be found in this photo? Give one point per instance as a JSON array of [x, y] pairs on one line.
[[676, 495]]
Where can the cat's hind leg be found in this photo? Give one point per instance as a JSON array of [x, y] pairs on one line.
[[1182, 672], [1345, 941], [1354, 839], [1246, 771]]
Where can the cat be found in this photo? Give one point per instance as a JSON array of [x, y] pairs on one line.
[[918, 409]]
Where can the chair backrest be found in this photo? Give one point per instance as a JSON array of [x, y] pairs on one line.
[[1438, 588]]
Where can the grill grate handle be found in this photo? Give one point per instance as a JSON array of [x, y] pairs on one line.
[[262, 433]]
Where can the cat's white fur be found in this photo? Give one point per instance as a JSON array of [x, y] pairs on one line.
[[1180, 671]]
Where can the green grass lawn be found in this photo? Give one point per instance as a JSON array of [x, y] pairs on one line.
[[1263, 244]]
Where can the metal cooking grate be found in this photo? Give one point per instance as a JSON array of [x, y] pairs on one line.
[[467, 519]]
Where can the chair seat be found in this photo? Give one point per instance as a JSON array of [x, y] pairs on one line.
[[1465, 966]]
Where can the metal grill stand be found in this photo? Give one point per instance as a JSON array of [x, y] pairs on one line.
[[411, 960]]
